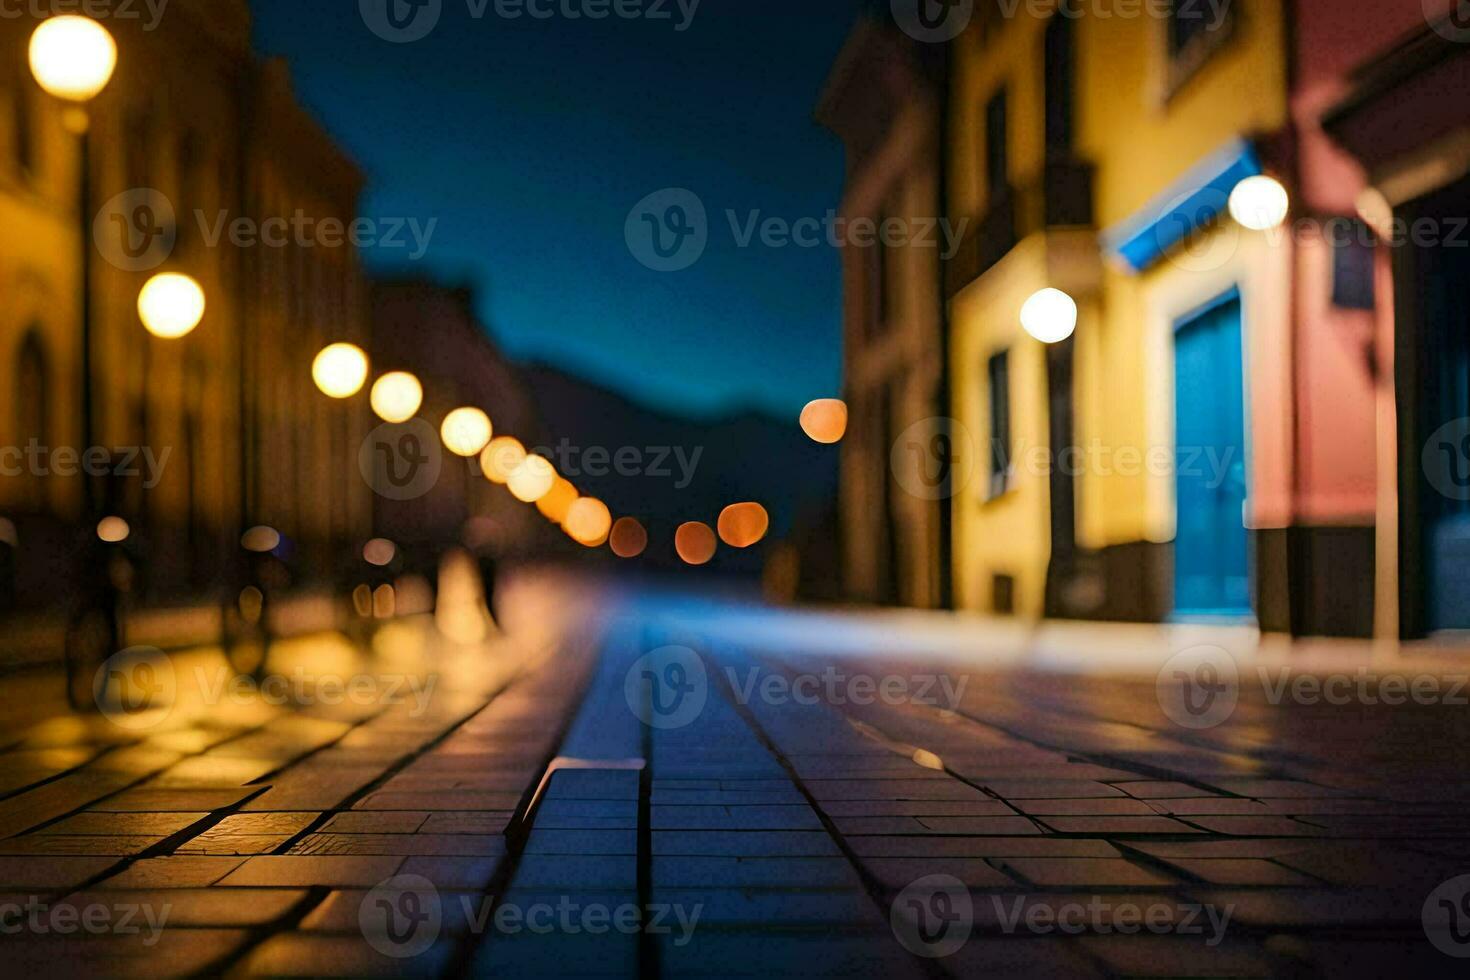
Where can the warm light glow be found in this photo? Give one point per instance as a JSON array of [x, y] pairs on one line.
[[589, 522], [261, 540], [628, 539], [558, 502], [113, 530], [380, 552], [742, 525], [7, 533], [170, 305], [532, 480], [73, 57], [695, 543], [340, 370], [1376, 212], [465, 431], [1259, 203], [501, 457], [825, 420], [396, 396], [1050, 316]]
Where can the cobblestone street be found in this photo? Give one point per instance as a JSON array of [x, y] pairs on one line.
[[644, 801]]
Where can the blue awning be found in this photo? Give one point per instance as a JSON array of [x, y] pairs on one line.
[[1188, 204]]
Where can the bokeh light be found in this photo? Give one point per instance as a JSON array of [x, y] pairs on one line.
[[629, 538], [379, 552], [742, 525], [532, 480], [501, 457], [466, 431], [1259, 203], [557, 503], [72, 57], [1049, 315], [113, 530], [825, 420], [261, 539], [589, 522], [695, 543], [170, 305], [396, 396], [340, 370]]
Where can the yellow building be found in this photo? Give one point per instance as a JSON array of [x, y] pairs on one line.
[[1095, 155], [219, 430]]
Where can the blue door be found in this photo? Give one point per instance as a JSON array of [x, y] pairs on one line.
[[1212, 549]]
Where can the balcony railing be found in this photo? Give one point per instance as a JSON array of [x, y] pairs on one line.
[[1059, 197]]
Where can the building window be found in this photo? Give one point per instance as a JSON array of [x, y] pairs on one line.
[[999, 374], [1061, 87], [997, 160], [1196, 30]]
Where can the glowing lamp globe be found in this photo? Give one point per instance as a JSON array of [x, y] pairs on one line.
[[1259, 203], [72, 57], [1050, 316], [588, 522], [557, 502], [466, 431], [743, 525], [113, 530], [340, 370], [628, 539], [171, 305], [695, 543], [396, 396], [501, 457], [825, 420], [532, 480]]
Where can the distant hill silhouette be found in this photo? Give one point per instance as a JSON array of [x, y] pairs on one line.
[[745, 456]]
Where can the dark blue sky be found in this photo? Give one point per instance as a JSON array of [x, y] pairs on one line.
[[530, 141]]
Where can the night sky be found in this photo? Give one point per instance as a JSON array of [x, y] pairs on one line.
[[531, 140]]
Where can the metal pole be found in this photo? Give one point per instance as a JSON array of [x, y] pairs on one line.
[[84, 206]]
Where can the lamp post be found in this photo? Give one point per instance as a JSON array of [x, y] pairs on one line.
[[73, 58]]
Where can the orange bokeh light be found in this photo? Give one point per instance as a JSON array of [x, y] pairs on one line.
[[742, 525], [501, 457], [558, 501], [588, 521], [629, 539], [825, 420], [695, 543]]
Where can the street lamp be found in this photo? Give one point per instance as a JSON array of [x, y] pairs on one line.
[[1050, 315], [171, 305], [466, 431], [340, 370], [1259, 203], [73, 58], [396, 396]]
